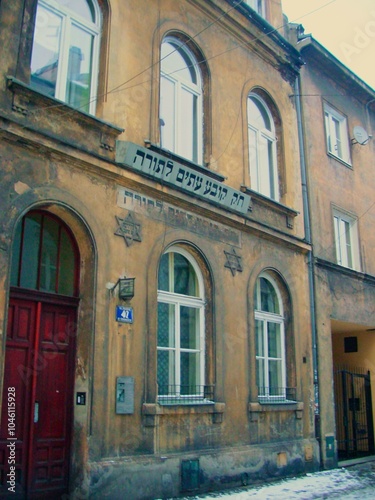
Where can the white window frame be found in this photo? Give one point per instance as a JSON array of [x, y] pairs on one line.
[[70, 19], [179, 300], [346, 240], [337, 137], [258, 6], [264, 182], [182, 85], [265, 318]]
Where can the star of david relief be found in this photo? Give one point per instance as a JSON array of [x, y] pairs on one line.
[[234, 262], [128, 229]]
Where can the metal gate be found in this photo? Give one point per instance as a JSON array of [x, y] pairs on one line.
[[354, 421]]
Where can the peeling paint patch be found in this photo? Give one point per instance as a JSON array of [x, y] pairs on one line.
[[21, 187]]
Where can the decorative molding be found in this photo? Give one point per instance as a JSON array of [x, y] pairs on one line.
[[234, 262], [128, 229]]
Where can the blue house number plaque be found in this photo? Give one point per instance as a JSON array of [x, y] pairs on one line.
[[124, 314]]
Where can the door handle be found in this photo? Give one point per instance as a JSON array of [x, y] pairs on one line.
[[36, 412]]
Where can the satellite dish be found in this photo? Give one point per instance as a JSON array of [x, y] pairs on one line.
[[360, 135]]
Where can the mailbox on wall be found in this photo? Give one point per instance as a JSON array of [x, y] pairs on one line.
[[124, 395]]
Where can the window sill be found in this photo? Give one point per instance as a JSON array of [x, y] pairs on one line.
[[265, 401], [353, 273], [270, 211], [152, 411], [260, 408], [181, 402], [60, 121], [340, 160]]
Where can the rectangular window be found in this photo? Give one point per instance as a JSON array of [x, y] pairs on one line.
[[346, 240], [337, 138]]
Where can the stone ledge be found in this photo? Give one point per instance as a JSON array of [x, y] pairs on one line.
[[270, 211], [152, 411], [59, 120], [256, 409]]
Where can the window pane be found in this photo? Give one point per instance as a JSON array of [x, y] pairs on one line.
[[261, 383], [46, 51], [30, 251], [48, 264], [271, 179], [189, 328], [336, 223], [257, 115], [253, 159], [328, 131], [189, 372], [175, 62], [187, 125], [185, 280], [167, 113], [265, 166], [338, 146], [81, 7], [274, 340], [275, 377], [66, 265], [259, 338], [166, 372], [78, 85], [269, 301], [163, 278], [348, 246], [166, 325], [195, 156]]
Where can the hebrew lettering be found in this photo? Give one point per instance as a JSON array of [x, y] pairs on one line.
[[170, 167], [139, 154]]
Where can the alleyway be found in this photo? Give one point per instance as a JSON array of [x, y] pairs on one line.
[[351, 482]]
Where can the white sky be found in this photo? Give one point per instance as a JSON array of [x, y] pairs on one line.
[[345, 27]]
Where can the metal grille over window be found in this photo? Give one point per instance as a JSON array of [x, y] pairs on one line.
[[270, 344]]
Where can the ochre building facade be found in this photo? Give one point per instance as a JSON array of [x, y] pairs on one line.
[[153, 142]]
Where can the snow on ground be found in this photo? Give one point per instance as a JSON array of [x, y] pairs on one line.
[[351, 484]]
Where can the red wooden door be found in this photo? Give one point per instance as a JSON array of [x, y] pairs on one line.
[[40, 366]]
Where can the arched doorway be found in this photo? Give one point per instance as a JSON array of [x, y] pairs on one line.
[[37, 407]]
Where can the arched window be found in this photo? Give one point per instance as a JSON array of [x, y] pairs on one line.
[[270, 341], [181, 112], [262, 148], [180, 337], [65, 53], [45, 256]]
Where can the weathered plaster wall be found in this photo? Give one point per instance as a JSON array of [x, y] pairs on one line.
[[54, 159]]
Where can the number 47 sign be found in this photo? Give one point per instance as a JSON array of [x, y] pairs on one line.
[[124, 314]]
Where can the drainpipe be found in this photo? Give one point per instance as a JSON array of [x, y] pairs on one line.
[[307, 226]]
